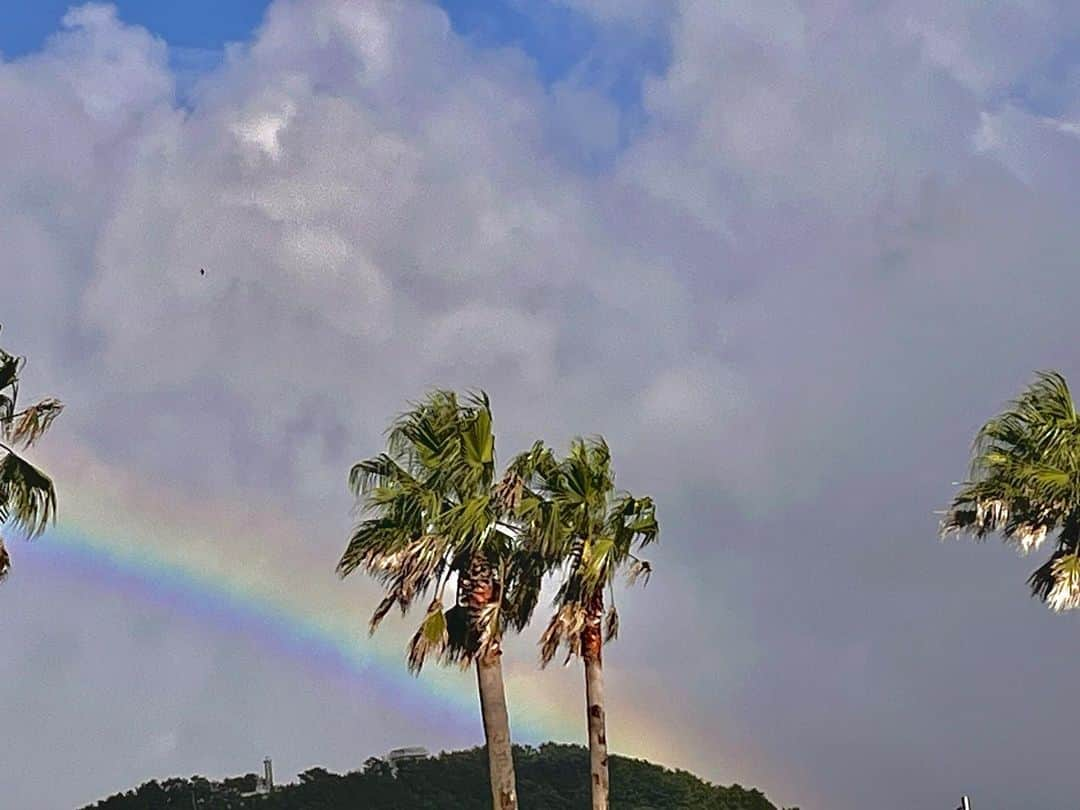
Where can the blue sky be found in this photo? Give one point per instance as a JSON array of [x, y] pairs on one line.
[[191, 24], [554, 36], [560, 41]]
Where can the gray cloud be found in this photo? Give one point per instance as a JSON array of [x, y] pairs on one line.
[[840, 238]]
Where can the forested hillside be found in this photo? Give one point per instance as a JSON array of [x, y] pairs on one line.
[[551, 777]]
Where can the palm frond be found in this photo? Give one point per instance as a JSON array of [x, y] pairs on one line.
[[1065, 592], [1024, 485], [27, 426], [432, 509], [380, 471], [509, 493], [527, 571], [611, 625], [430, 638], [10, 366], [564, 629], [639, 569], [27, 494], [599, 528]]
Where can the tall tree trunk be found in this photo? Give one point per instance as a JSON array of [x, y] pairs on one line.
[[489, 677], [483, 592], [592, 647]]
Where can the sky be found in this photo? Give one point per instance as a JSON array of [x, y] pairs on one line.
[[786, 256]]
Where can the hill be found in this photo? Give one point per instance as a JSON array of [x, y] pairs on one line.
[[551, 777]]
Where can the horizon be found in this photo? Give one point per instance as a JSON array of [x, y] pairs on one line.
[[787, 257]]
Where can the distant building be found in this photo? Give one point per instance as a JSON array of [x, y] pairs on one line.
[[407, 754], [266, 784], [263, 784]]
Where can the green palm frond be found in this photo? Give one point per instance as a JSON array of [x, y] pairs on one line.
[[433, 511], [472, 520], [430, 638], [1024, 485], [537, 461], [477, 440], [589, 530], [379, 471]]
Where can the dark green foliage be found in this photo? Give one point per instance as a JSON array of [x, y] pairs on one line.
[[184, 794], [551, 777]]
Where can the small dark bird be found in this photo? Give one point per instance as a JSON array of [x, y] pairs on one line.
[[202, 272]]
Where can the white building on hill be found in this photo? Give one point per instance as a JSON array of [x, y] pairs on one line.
[[408, 754]]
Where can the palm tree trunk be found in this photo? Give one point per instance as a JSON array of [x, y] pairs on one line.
[[489, 678], [592, 646], [482, 592]]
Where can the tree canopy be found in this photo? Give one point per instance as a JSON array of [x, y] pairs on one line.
[[550, 777], [1024, 484]]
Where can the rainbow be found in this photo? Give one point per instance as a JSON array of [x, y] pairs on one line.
[[70, 553], [128, 535], [266, 583]]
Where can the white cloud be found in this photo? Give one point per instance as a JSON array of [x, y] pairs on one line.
[[692, 398], [992, 46], [114, 70], [261, 130], [828, 246], [527, 341]]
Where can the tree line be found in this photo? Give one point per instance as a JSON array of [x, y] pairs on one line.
[[551, 777]]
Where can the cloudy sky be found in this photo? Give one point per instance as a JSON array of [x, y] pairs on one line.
[[785, 255]]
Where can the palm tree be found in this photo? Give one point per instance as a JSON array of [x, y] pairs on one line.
[[599, 531], [1025, 485], [27, 495], [434, 516]]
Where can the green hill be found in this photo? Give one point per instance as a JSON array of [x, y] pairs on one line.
[[551, 777]]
